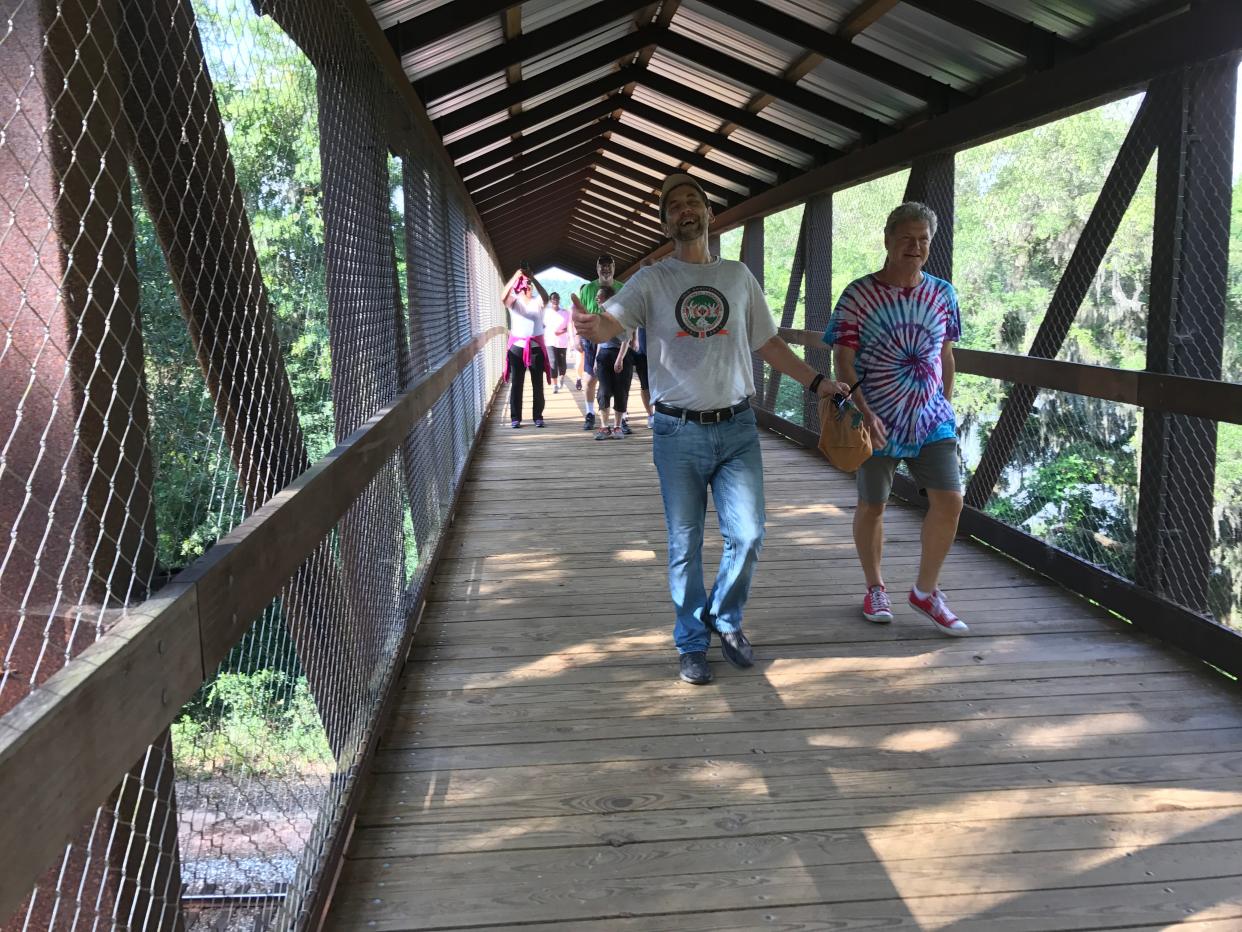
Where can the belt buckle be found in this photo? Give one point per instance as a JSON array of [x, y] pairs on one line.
[[709, 417]]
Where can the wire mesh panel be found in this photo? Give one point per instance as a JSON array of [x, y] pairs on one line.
[[226, 243]]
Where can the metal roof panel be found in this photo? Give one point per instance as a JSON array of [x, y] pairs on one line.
[[930, 45], [859, 92], [709, 26], [464, 43], [695, 78]]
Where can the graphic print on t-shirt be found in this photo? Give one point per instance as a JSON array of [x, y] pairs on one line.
[[702, 312]]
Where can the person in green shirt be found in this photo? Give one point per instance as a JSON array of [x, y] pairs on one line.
[[587, 294]]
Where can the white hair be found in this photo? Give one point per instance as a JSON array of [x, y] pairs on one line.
[[911, 210]]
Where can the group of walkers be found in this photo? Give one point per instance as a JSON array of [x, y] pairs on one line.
[[609, 366], [694, 320]]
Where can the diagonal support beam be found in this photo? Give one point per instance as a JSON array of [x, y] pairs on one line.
[[1113, 201]]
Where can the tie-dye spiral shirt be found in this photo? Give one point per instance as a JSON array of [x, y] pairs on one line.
[[897, 335]]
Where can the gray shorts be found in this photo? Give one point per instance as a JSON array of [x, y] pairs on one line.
[[935, 467]]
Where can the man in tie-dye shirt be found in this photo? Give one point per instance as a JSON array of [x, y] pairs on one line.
[[894, 330]]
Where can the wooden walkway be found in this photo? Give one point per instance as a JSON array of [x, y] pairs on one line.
[[545, 769]]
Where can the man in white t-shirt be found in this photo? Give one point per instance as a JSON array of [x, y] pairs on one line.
[[704, 316]]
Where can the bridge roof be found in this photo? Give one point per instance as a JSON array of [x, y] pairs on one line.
[[563, 115]]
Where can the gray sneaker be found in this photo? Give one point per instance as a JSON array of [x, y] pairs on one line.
[[736, 649], [694, 668]]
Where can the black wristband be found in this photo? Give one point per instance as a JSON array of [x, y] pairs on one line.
[[819, 377]]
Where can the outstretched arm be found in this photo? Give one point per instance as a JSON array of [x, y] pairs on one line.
[[597, 328], [777, 354]]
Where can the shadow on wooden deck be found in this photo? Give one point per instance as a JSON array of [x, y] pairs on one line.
[[546, 769]]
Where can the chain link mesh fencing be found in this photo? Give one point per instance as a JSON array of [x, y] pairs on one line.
[[225, 243], [1110, 238]]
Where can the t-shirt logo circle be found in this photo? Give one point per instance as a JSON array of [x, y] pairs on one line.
[[702, 312]]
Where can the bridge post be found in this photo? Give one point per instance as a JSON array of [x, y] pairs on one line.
[[77, 516], [752, 258], [818, 224], [793, 291], [931, 181], [1185, 329]]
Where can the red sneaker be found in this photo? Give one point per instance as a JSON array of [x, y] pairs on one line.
[[937, 609], [877, 607]]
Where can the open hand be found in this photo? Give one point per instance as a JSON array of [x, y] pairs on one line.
[[586, 323]]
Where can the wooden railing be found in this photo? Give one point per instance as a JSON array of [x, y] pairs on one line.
[[64, 747]]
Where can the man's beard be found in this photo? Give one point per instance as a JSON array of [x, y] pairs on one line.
[[688, 234]]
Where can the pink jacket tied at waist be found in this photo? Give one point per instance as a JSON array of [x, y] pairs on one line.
[[547, 357]]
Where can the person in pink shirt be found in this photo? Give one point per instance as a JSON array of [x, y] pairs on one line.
[[558, 330], [527, 349]]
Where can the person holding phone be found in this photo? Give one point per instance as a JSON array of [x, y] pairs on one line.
[[527, 350]]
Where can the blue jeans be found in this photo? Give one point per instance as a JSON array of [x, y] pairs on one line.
[[690, 457]]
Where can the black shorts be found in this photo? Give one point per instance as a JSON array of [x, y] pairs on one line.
[[614, 387]]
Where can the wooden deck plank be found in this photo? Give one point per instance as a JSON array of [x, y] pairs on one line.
[[544, 768]]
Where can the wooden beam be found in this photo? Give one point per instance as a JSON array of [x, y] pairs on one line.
[[711, 138], [661, 169], [931, 182], [1093, 242], [532, 45], [461, 149], [527, 186], [518, 215], [610, 225], [405, 36], [1187, 311], [834, 48], [815, 104], [479, 184], [568, 132], [679, 156], [1039, 46], [545, 81], [746, 119], [862, 16], [1210, 399]]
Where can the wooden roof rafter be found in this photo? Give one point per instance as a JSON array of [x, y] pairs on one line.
[[479, 184], [571, 131], [544, 82], [779, 87], [834, 48], [463, 149], [530, 45]]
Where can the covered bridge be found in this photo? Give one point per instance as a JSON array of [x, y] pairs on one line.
[[293, 637]]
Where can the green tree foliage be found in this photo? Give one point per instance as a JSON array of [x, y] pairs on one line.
[[265, 88]]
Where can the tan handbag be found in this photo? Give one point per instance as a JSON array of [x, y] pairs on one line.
[[843, 435]]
